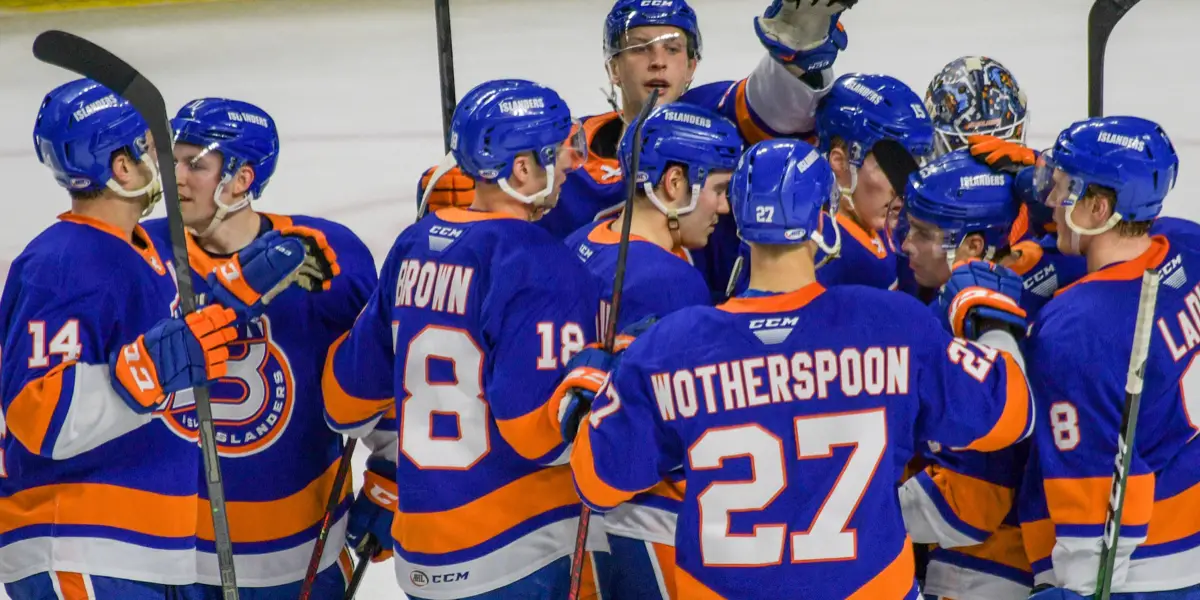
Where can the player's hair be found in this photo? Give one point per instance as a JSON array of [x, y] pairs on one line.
[[1123, 228]]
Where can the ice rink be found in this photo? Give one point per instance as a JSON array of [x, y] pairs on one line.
[[354, 85]]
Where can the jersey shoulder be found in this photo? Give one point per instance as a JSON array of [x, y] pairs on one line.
[[79, 258]]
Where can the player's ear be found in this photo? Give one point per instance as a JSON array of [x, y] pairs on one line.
[[840, 162], [614, 72], [675, 185], [521, 172], [123, 167], [972, 246], [242, 180]]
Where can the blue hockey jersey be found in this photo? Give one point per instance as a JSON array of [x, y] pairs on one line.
[[771, 102], [793, 416], [657, 283], [278, 458], [467, 336], [1078, 355], [87, 484]]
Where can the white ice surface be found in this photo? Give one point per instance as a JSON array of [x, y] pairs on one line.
[[354, 86]]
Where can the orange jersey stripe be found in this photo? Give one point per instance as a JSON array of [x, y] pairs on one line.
[[340, 404], [276, 519], [1085, 501], [29, 415], [1014, 420], [100, 504], [894, 581], [533, 434], [745, 122], [486, 517], [71, 585], [1004, 547], [1176, 517], [666, 564], [1038, 539], [688, 587], [978, 503]]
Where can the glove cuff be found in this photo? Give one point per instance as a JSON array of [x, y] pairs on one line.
[[381, 490], [976, 298], [134, 377]]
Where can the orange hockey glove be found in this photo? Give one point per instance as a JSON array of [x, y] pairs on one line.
[[455, 188], [1001, 154]]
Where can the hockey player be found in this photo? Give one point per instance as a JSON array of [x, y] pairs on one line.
[[1106, 179], [476, 314], [657, 45], [759, 398], [688, 155], [957, 209], [98, 496], [874, 133], [267, 408]]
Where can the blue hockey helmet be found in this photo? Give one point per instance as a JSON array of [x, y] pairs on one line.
[[1129, 155], [975, 95], [500, 119], [700, 140], [79, 126], [243, 133], [629, 14], [778, 192], [960, 196], [864, 109]]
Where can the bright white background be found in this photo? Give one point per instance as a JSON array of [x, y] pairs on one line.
[[354, 86]]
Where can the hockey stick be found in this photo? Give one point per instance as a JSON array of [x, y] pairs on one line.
[[1103, 17], [445, 68], [1129, 418], [74, 53], [364, 560], [335, 498], [610, 328]]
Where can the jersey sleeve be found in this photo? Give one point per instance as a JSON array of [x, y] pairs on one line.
[[355, 402], [537, 330], [963, 497], [972, 395], [661, 293], [770, 103], [625, 448], [1075, 442], [58, 395]]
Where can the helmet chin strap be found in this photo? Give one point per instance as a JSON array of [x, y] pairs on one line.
[[152, 191], [832, 251], [223, 210], [673, 214], [536, 200]]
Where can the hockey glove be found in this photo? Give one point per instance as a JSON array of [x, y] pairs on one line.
[[572, 400], [1044, 592], [1000, 154], [980, 296], [455, 188], [370, 526], [175, 354], [803, 35], [630, 333], [261, 271]]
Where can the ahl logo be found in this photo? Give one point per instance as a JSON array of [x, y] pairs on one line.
[[422, 579], [252, 404]]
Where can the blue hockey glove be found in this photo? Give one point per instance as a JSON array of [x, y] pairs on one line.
[[175, 354], [981, 295], [370, 525], [261, 271], [1053, 593], [803, 35]]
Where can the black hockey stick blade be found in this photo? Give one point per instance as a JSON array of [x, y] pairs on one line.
[[73, 53], [1102, 19], [360, 569], [445, 48]]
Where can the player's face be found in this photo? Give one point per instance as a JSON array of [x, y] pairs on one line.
[[197, 174], [696, 226], [655, 57], [1058, 194], [926, 255], [873, 196]]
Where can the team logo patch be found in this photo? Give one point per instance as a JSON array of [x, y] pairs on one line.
[[251, 405]]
